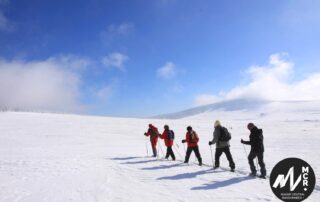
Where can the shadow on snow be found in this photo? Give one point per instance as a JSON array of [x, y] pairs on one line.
[[125, 158], [131, 158], [207, 186], [187, 175], [139, 162], [163, 167], [220, 184]]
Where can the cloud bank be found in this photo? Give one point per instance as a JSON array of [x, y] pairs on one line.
[[49, 85], [270, 82]]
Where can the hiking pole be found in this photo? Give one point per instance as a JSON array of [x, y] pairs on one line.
[[147, 146], [176, 146], [178, 151], [211, 156], [157, 151], [245, 150], [184, 147], [161, 149]]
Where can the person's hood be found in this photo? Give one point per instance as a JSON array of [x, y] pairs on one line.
[[256, 130], [152, 126]]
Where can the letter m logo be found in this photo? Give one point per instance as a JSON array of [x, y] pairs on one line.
[[282, 180]]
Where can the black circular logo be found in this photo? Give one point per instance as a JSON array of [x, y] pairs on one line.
[[292, 179]]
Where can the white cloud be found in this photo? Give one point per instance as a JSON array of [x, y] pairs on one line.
[[272, 82], [122, 29], [48, 85], [104, 93], [116, 60], [72, 62], [167, 71]]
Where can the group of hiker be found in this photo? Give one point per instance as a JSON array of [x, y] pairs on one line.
[[221, 137]]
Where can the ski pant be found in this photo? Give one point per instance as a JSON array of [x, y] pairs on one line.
[[219, 152], [154, 150], [196, 151], [170, 153], [154, 147], [259, 155]]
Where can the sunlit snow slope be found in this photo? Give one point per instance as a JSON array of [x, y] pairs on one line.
[[52, 157]]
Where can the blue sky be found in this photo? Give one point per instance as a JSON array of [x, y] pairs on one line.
[[147, 57]]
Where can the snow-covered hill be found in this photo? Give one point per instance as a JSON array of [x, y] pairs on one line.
[[257, 108], [54, 157], [228, 105]]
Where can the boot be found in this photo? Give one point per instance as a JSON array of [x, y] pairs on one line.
[[262, 176], [253, 174]]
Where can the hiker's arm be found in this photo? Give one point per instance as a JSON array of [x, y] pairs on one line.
[[246, 142], [161, 135], [216, 135]]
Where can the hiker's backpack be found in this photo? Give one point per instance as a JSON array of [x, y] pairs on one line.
[[170, 135], [224, 135], [193, 137]]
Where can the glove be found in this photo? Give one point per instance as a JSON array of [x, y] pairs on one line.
[[183, 141], [242, 141], [210, 143]]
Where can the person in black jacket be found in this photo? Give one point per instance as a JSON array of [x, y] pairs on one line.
[[257, 149]]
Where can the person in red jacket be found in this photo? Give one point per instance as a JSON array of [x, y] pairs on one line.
[[192, 139], [168, 136], [154, 134]]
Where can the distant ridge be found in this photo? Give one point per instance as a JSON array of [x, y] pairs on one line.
[[229, 105]]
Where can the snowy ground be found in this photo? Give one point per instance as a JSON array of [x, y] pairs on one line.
[[52, 157]]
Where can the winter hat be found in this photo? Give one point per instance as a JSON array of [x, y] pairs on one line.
[[250, 126], [166, 127], [189, 128], [150, 125], [217, 123]]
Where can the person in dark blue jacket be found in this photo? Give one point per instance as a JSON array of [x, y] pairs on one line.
[[257, 150]]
